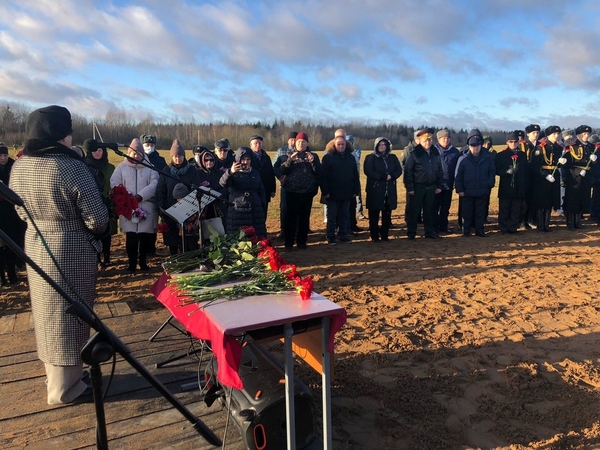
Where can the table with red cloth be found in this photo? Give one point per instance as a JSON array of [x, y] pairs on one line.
[[221, 320]]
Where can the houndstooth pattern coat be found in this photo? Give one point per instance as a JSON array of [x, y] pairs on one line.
[[63, 199]]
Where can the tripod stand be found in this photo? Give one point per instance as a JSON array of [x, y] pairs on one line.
[[100, 348]]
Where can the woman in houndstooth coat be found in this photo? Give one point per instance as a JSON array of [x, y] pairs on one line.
[[61, 195]]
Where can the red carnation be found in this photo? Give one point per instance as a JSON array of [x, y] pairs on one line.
[[163, 227], [597, 146], [515, 156], [289, 271], [305, 288]]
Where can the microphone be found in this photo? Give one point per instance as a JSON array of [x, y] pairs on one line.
[[10, 195], [91, 145]]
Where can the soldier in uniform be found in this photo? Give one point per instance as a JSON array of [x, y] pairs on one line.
[[512, 169], [527, 145], [595, 172], [583, 134], [546, 179]]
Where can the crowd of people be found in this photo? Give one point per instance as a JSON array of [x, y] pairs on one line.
[[67, 224]]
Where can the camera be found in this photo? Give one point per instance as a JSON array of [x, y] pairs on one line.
[[302, 155]]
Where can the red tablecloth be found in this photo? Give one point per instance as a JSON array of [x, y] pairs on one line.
[[225, 347]]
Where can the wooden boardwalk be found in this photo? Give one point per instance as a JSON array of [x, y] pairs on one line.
[[137, 416]]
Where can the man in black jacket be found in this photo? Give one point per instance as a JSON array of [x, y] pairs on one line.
[[339, 183], [423, 178], [263, 164]]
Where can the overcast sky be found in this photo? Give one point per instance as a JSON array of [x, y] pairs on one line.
[[493, 64]]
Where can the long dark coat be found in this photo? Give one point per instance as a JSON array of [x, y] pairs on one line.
[[545, 195], [10, 222], [377, 167], [247, 194], [577, 186], [509, 186], [264, 166], [63, 199], [339, 175]]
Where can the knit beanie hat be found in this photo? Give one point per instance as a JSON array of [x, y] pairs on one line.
[[302, 136], [180, 191], [177, 149], [3, 149], [51, 123], [136, 146], [292, 135]]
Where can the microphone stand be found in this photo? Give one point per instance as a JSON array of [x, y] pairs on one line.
[[100, 348]]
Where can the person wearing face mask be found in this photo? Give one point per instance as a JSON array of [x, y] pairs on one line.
[[196, 151], [182, 170], [149, 143], [548, 154]]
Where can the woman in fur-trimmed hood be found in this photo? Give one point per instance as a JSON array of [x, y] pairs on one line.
[[247, 194], [382, 169]]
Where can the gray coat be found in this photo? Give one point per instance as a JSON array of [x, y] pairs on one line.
[[64, 201]]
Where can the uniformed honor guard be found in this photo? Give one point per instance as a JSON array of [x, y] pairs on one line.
[[583, 134], [547, 156]]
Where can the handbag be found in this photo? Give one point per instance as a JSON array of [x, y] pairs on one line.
[[212, 227]]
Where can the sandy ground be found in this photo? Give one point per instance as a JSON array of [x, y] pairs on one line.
[[457, 343]]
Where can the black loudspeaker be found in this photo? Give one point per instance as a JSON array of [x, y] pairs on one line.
[[259, 409]]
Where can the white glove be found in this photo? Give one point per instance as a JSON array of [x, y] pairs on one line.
[[593, 158], [550, 178], [582, 172], [562, 161], [510, 171]]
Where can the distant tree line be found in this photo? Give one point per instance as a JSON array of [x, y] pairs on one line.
[[118, 126]]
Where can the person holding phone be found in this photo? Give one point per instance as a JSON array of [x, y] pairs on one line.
[[246, 194]]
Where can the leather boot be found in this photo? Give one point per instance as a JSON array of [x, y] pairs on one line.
[[571, 221], [578, 223], [540, 220], [547, 220]]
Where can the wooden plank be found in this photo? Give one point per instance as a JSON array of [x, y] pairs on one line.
[[7, 323], [24, 322]]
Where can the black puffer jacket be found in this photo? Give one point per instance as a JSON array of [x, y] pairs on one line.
[[339, 175], [423, 168], [377, 167], [247, 194]]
